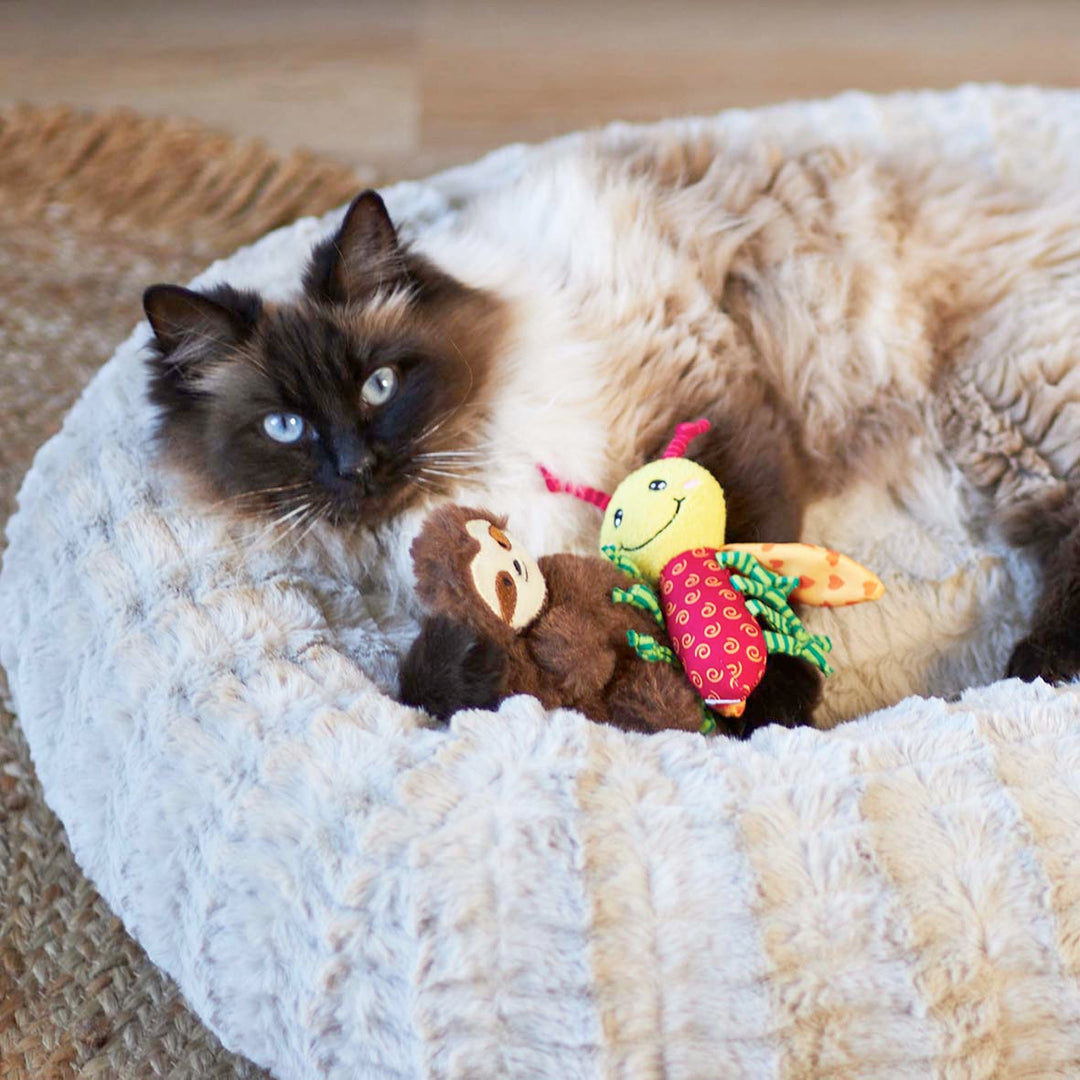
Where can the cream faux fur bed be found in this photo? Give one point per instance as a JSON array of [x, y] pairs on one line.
[[343, 892]]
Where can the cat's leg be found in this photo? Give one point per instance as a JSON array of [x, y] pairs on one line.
[[1008, 410], [1051, 650], [788, 693]]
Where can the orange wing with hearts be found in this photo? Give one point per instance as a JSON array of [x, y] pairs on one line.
[[826, 578]]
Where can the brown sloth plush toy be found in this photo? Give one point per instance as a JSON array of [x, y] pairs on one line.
[[500, 623]]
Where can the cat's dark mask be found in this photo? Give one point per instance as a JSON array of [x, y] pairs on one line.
[[343, 406]]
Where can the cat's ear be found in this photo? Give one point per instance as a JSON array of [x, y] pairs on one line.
[[362, 256], [222, 317]]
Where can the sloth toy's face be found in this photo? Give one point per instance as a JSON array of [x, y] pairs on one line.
[[506, 576]]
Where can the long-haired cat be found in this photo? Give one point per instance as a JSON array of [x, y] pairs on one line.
[[820, 308], [326, 409]]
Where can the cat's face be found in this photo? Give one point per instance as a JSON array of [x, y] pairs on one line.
[[345, 406]]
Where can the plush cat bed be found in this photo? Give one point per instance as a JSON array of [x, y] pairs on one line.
[[342, 891]]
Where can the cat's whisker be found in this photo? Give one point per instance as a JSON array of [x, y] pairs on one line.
[[446, 474], [313, 519], [258, 538], [302, 525], [446, 453], [249, 501], [271, 533], [287, 502], [283, 487], [276, 524], [448, 468], [450, 455], [428, 482], [468, 368], [297, 543], [425, 434], [297, 523], [244, 496], [459, 469], [424, 482], [439, 424]]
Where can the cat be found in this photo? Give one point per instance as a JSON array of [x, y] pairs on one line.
[[332, 410], [365, 395], [821, 307], [299, 413]]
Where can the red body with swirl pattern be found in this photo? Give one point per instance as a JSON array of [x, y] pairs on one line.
[[718, 642]]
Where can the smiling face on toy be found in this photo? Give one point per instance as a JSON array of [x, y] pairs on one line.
[[663, 509]]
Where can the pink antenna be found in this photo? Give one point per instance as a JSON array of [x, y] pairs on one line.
[[588, 494], [685, 434]]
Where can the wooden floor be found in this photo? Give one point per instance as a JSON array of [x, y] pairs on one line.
[[406, 86]]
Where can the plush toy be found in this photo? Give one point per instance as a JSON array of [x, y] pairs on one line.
[[665, 526], [500, 622]]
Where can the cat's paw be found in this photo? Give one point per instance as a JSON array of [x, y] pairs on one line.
[[1054, 659], [787, 695]]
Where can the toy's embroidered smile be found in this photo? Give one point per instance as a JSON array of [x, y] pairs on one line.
[[678, 507]]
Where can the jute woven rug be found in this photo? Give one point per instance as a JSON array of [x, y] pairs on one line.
[[92, 209]]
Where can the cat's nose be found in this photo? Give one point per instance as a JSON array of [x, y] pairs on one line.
[[354, 461]]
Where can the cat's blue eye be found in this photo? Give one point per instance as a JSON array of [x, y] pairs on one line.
[[657, 485], [617, 519], [380, 387], [284, 427]]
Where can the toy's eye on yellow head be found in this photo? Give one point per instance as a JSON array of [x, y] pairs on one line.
[[663, 509]]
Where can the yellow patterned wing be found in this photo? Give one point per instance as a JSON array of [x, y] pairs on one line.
[[826, 578]]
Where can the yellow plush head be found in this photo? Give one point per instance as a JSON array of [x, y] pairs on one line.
[[663, 509], [667, 507]]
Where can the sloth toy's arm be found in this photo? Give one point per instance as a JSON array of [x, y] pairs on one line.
[[451, 667]]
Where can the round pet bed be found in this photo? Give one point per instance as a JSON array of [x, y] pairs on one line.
[[341, 890]]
